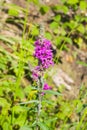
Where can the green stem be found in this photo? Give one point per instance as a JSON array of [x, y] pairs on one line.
[[40, 86], [81, 121]]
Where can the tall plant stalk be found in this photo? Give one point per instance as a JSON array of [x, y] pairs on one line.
[[43, 53], [40, 86], [40, 81]]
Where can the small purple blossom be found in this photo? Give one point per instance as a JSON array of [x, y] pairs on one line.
[[46, 87], [35, 73]]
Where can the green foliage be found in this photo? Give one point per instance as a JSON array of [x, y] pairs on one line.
[[44, 9], [53, 25], [58, 8], [72, 1], [57, 18], [43, 126], [13, 12], [25, 128], [48, 35], [18, 98], [52, 92], [83, 5]]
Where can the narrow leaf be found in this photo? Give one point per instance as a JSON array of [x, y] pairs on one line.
[[43, 126], [32, 101], [52, 92]]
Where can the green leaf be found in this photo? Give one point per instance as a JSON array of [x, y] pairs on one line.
[[1, 91], [55, 31], [72, 24], [6, 126], [36, 2], [13, 12], [20, 93], [32, 101], [81, 28], [6, 39], [83, 5], [52, 92], [51, 119], [44, 9], [79, 41], [65, 110], [59, 7], [21, 115], [35, 31], [82, 119], [18, 109], [54, 25], [78, 17], [48, 35], [21, 119], [63, 1], [48, 101], [79, 106], [4, 103], [82, 63], [25, 128], [58, 41], [62, 32], [5, 106], [72, 1], [43, 126], [57, 18], [65, 9], [68, 40]]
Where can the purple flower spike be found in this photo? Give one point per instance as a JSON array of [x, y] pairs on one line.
[[43, 53]]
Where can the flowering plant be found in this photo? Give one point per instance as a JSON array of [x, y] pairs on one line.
[[43, 53]]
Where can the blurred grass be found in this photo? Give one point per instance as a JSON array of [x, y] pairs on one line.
[[66, 26]]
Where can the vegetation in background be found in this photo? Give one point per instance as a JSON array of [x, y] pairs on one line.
[[18, 93]]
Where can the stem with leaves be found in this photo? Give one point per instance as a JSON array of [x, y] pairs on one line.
[[40, 82]]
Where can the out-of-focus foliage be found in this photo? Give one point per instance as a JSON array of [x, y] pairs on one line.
[[18, 98]]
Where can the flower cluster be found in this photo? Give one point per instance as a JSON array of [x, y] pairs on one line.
[[43, 53]]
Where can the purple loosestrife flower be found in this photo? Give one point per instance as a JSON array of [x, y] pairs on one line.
[[43, 53], [46, 87]]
